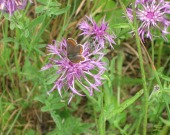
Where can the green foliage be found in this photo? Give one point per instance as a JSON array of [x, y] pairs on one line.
[[65, 122], [50, 8]]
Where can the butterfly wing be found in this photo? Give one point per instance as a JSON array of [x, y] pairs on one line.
[[74, 51], [71, 45]]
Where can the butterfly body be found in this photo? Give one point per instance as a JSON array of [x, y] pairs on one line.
[[74, 51]]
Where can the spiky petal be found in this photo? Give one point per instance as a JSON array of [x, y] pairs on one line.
[[99, 34], [10, 6], [151, 16], [71, 73]]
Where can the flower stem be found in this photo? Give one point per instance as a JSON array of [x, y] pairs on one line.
[[135, 28], [145, 104], [144, 83], [102, 118]]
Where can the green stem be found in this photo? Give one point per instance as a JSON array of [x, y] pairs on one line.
[[65, 23], [16, 46], [102, 117], [153, 51], [119, 71], [159, 55], [14, 122], [145, 104], [3, 60], [36, 38], [144, 82], [135, 28], [153, 67]]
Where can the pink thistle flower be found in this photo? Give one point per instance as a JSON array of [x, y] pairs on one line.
[[10, 6], [69, 73], [152, 15], [98, 33]]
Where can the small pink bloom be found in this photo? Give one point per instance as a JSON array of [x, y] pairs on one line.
[[99, 34], [151, 15], [72, 73], [10, 6]]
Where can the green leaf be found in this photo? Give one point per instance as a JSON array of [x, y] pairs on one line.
[[39, 9], [52, 107], [51, 79], [61, 11], [20, 25], [111, 111], [166, 122], [7, 39], [57, 119], [41, 98], [36, 22], [164, 77], [49, 2], [12, 26], [26, 33], [108, 80], [121, 25]]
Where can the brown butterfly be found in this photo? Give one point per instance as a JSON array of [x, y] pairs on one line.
[[74, 51]]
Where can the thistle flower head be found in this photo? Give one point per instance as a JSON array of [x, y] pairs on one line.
[[71, 73], [99, 34], [10, 6], [151, 15]]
